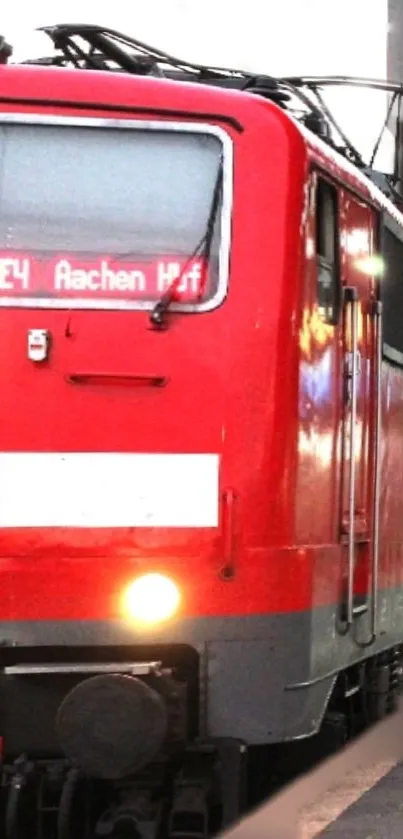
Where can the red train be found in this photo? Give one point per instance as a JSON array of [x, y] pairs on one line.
[[201, 444]]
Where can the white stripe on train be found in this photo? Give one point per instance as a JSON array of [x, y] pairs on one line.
[[91, 489]]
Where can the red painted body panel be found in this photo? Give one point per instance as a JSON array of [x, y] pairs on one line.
[[242, 384]]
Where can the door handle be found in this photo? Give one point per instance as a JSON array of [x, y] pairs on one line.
[[377, 468], [116, 379], [352, 368], [352, 300]]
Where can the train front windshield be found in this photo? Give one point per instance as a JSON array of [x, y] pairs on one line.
[[105, 215]]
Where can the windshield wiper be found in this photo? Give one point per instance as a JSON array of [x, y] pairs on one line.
[[202, 249]]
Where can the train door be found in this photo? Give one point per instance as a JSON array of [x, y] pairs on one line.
[[346, 299], [361, 349]]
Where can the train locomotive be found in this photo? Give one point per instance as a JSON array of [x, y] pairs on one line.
[[201, 445]]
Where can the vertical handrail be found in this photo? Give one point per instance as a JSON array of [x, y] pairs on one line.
[[352, 299], [377, 467]]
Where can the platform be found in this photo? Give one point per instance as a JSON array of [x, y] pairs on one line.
[[377, 814]]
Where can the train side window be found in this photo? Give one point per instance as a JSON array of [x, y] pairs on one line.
[[391, 286], [327, 252]]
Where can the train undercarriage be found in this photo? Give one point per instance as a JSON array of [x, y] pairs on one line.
[[77, 765]]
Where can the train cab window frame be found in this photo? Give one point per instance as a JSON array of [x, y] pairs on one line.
[[327, 249], [127, 204], [391, 288]]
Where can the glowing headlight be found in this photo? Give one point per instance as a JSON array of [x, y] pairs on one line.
[[151, 599]]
